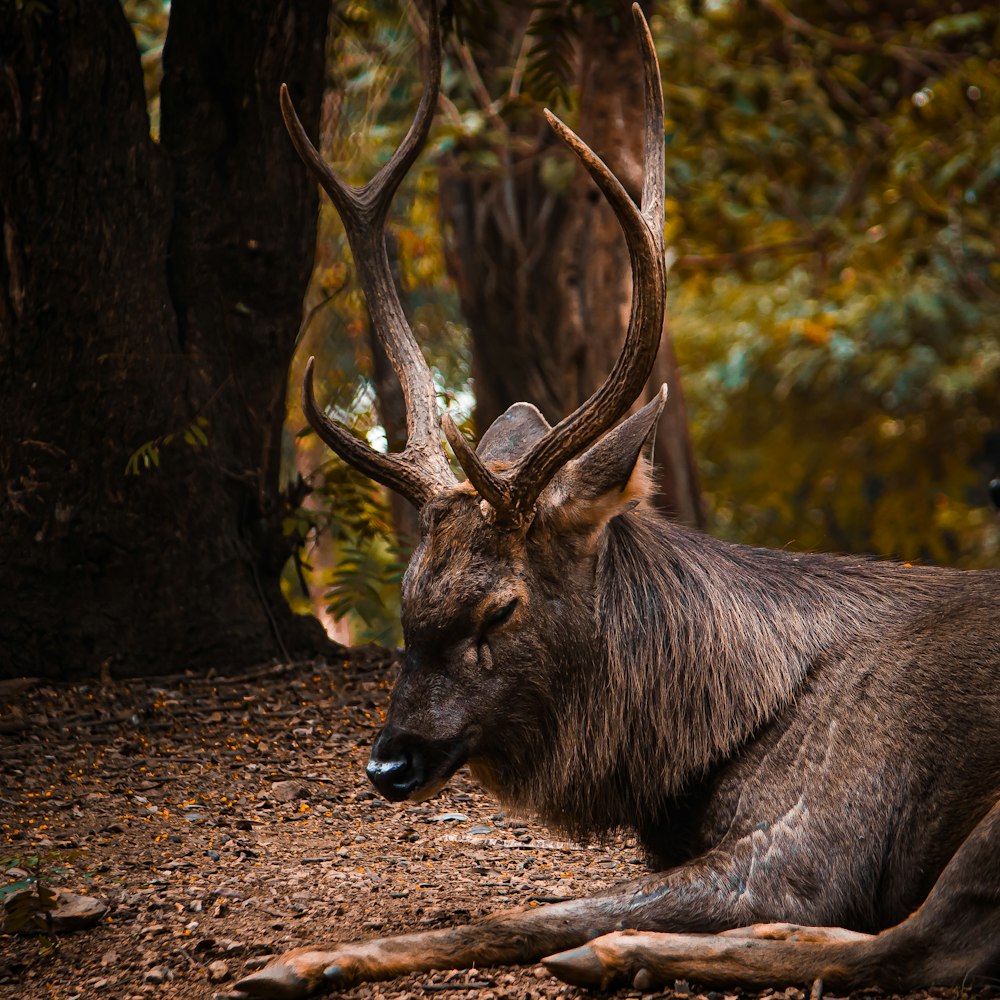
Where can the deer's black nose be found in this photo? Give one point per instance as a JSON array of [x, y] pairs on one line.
[[396, 770], [406, 766]]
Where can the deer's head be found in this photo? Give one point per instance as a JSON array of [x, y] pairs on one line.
[[499, 589]]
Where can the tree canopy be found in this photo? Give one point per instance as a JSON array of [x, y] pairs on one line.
[[833, 173]]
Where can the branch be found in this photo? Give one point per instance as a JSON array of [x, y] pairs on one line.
[[914, 58], [721, 261]]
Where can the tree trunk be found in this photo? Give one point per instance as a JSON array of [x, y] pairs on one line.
[[143, 285], [541, 265]]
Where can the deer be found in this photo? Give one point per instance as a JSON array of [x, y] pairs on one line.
[[805, 745]]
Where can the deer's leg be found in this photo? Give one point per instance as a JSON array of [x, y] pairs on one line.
[[513, 937], [682, 899], [756, 956], [952, 939]]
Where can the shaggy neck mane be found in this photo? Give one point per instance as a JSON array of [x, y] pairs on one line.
[[698, 643]]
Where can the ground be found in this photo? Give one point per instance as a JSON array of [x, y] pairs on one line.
[[225, 819]]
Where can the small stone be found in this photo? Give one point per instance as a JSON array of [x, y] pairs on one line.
[[253, 964], [288, 791], [69, 912], [158, 974], [644, 980], [218, 971], [540, 972]]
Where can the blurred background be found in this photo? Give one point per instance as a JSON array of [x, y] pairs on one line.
[[833, 182], [832, 193]]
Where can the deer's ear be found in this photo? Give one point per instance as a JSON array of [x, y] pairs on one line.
[[613, 476], [513, 433]]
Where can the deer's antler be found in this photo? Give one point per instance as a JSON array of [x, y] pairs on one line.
[[421, 469], [513, 494]]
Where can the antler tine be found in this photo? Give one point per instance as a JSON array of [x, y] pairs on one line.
[[652, 145], [643, 229], [393, 471], [488, 484], [363, 211]]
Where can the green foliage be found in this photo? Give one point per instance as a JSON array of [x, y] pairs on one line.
[[832, 185], [147, 455], [364, 586], [27, 902], [549, 74], [347, 523], [149, 20]]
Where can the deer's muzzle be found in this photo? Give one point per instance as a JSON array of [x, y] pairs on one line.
[[403, 766]]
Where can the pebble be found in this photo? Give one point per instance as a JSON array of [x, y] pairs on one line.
[[218, 971], [158, 974], [288, 791]]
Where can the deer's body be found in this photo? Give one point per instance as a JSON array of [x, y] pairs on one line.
[[828, 725], [806, 745], [801, 742]]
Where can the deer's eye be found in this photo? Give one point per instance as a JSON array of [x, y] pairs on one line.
[[497, 618]]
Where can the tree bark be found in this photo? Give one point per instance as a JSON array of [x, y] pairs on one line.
[[143, 285], [542, 268]]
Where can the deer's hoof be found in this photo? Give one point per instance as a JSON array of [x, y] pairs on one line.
[[273, 982], [578, 967]]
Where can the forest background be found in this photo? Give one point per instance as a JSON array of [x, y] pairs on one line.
[[833, 184]]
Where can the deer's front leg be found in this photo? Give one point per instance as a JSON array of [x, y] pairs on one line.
[[682, 899], [513, 937]]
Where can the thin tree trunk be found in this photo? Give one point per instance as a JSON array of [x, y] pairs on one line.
[[542, 267], [141, 286]]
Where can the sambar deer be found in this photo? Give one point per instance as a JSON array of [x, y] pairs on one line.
[[807, 746]]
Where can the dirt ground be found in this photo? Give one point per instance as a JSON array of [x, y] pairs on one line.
[[224, 820]]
